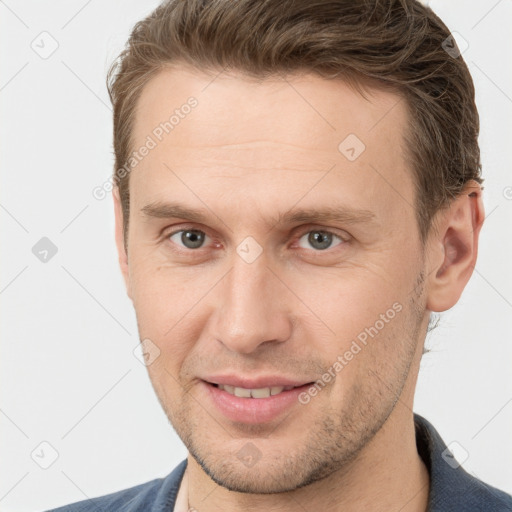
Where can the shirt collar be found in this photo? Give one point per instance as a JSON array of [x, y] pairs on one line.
[[451, 487]]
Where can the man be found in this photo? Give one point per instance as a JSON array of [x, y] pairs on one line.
[[297, 188]]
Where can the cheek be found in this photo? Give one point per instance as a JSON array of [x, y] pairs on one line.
[[349, 300], [170, 312], [362, 325], [161, 296], [167, 387]]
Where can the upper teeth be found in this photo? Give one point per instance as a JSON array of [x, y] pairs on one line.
[[254, 393]]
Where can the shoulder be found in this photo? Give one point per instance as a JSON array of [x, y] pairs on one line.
[[131, 499], [481, 494], [469, 494], [159, 493], [451, 486]]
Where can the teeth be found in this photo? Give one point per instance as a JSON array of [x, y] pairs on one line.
[[260, 393], [243, 393], [254, 393]]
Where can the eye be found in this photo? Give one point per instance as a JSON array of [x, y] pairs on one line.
[[189, 238], [319, 240]]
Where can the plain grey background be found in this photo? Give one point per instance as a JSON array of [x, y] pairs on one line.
[[70, 377]]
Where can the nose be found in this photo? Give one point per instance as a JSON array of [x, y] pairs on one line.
[[253, 308]]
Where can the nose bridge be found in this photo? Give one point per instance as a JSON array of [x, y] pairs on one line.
[[251, 309]]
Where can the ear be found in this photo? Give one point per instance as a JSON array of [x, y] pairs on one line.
[[453, 247], [120, 243]]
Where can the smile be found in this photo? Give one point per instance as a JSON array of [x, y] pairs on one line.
[[253, 393], [237, 403]]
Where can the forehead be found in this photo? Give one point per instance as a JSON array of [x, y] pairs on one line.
[[276, 132], [292, 108]]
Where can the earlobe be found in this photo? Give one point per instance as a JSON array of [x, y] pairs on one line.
[[455, 248], [120, 243]]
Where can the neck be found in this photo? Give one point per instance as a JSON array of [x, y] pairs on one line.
[[388, 474]]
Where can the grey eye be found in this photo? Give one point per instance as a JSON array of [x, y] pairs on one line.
[[319, 240], [189, 238]]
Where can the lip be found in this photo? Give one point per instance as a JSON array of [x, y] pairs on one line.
[[253, 410], [262, 381]]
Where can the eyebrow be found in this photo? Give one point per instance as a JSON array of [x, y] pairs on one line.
[[165, 210]]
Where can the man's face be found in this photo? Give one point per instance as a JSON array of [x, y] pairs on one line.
[[256, 293]]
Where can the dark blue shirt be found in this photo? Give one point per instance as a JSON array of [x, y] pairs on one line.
[[452, 489]]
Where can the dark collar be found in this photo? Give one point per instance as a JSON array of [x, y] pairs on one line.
[[451, 487]]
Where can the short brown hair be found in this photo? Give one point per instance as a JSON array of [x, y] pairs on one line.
[[396, 43]]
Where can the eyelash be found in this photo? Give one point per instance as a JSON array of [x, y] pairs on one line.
[[343, 240]]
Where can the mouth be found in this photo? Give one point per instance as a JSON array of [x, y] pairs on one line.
[[258, 404], [251, 398], [255, 392]]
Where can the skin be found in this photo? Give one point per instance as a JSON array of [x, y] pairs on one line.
[[247, 153]]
